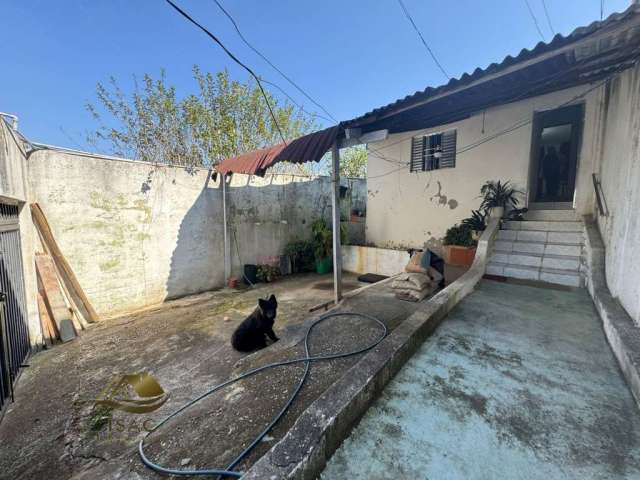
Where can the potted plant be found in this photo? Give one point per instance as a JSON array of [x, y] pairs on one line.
[[302, 255], [322, 245], [477, 223], [322, 237], [459, 246], [267, 273], [497, 196]]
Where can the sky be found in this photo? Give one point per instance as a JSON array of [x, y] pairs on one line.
[[350, 56]]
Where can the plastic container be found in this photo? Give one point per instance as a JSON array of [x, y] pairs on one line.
[[325, 265], [250, 273]]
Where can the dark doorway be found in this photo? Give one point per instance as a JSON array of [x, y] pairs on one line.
[[554, 156]]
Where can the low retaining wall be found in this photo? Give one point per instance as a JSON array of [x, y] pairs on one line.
[[382, 261], [321, 428], [622, 333]]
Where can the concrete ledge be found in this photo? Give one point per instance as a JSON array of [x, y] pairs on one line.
[[621, 332], [383, 261], [321, 428]]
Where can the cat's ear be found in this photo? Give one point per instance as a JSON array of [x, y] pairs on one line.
[[273, 301], [263, 304]]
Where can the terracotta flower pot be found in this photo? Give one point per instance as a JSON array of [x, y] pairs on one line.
[[459, 256]]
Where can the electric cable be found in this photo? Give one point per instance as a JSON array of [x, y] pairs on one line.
[[235, 59], [261, 55], [546, 14], [535, 20], [424, 42], [307, 360]]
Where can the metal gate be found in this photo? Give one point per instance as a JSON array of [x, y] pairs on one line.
[[14, 334]]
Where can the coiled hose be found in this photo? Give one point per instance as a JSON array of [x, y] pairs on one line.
[[307, 360]]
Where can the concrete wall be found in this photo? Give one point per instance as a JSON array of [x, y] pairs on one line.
[[383, 261], [131, 247], [619, 172], [410, 209], [14, 189]]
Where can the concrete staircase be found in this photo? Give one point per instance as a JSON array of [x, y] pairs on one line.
[[547, 246]]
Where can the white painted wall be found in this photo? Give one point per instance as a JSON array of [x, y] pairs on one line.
[[619, 172], [383, 261], [410, 209], [14, 189]]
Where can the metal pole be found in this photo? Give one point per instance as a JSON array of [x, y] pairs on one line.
[[227, 247], [335, 204]]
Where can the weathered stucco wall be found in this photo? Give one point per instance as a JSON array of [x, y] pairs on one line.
[[408, 209], [619, 172], [14, 190], [360, 259], [131, 247]]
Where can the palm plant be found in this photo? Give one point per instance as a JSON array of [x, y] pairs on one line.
[[496, 194], [477, 220]]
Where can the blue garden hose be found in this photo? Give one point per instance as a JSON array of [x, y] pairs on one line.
[[307, 359]]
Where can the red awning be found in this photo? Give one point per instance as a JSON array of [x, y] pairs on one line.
[[309, 148]]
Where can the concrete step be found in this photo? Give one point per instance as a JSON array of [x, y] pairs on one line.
[[559, 262], [552, 215], [544, 226], [549, 275], [573, 238], [571, 249]]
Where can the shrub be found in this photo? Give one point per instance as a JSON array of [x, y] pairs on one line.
[[477, 220], [267, 273], [498, 194], [322, 235], [459, 235], [302, 255]]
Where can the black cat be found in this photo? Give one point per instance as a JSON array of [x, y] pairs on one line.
[[250, 334]]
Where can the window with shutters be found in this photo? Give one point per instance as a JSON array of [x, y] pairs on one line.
[[432, 152]]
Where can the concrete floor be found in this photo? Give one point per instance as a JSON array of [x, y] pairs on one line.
[[518, 382], [52, 431]]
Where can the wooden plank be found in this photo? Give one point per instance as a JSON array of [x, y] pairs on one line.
[[48, 330], [67, 276], [53, 296]]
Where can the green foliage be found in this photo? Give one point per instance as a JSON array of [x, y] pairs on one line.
[[498, 194], [322, 235], [459, 235], [353, 162], [302, 255], [322, 239], [101, 416], [267, 273], [477, 220], [223, 118]]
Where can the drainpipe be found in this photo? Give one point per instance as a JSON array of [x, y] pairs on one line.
[[14, 119], [227, 246]]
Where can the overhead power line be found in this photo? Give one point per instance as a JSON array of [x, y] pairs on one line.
[[261, 55], [535, 20], [235, 59], [424, 42], [546, 14], [283, 91]]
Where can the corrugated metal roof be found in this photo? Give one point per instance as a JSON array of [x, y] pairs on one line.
[[545, 68], [478, 74], [308, 148]]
